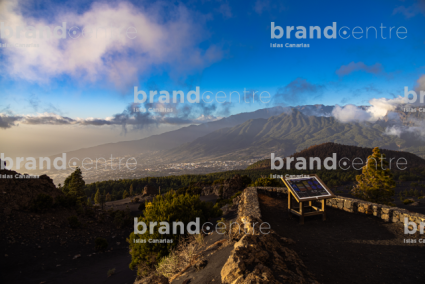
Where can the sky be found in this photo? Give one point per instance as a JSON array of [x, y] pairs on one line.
[[76, 89]]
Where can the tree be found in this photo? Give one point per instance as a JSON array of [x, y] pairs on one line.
[[108, 197], [125, 194], [131, 190], [376, 183], [89, 201], [76, 185], [97, 197]]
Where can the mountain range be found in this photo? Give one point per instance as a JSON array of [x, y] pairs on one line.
[[282, 130]]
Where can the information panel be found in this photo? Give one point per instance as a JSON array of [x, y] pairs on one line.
[[308, 187]]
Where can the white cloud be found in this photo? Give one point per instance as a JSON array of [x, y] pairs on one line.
[[378, 109], [171, 41]]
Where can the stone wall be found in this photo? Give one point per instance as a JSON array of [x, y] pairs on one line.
[[386, 213], [352, 205], [248, 203]]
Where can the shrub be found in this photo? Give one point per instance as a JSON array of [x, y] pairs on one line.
[[110, 272], [168, 208], [42, 203], [122, 218], [74, 222], [100, 244], [266, 182], [218, 181], [236, 195], [408, 201], [169, 265]]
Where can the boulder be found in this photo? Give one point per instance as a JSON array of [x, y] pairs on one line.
[[260, 258], [150, 190]]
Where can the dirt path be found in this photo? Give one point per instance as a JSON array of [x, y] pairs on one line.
[[348, 247]]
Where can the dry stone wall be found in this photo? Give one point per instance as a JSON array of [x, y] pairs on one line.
[[352, 205]]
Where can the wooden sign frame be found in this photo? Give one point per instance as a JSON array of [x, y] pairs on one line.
[[301, 209]]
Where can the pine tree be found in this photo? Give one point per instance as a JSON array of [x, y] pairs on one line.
[[76, 184], [131, 190], [376, 183], [97, 197], [125, 194], [108, 197]]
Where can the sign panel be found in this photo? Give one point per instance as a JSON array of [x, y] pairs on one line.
[[310, 187]]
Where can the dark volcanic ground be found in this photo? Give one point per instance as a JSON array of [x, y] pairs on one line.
[[348, 247]]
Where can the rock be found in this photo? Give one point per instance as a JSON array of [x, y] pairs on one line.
[[262, 258], [153, 279], [118, 243], [201, 264], [225, 209], [150, 190], [187, 281], [77, 256], [414, 204]]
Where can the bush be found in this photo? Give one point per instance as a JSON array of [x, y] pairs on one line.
[[218, 181], [168, 208], [110, 272], [122, 218], [100, 244], [266, 182], [42, 203], [74, 222], [408, 201]]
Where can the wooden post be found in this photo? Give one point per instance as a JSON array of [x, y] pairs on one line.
[[324, 210], [301, 213], [289, 203]]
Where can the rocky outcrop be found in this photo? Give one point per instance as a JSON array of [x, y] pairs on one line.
[[149, 190], [17, 190], [225, 189], [260, 256]]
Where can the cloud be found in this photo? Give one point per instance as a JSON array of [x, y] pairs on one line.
[[129, 117], [412, 10], [225, 10], [298, 91], [359, 66], [167, 37], [350, 113], [261, 5], [378, 109], [420, 85]]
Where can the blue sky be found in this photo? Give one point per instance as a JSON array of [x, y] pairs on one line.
[[216, 45]]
